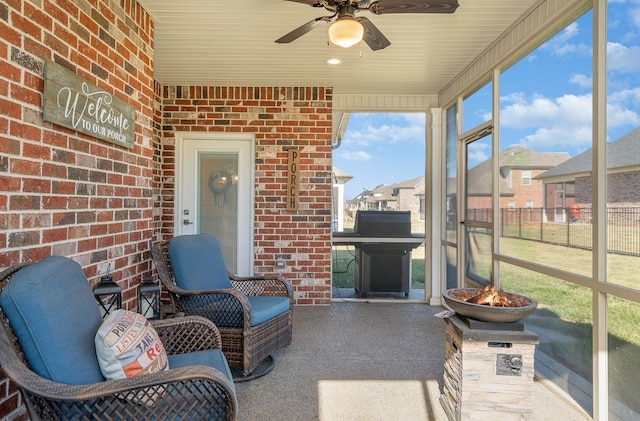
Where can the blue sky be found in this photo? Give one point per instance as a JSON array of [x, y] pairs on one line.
[[545, 105]]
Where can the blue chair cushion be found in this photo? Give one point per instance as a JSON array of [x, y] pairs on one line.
[[219, 310], [197, 262], [208, 357], [264, 308], [55, 317]]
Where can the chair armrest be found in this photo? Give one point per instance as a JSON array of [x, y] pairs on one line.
[[194, 387], [269, 284], [224, 307], [48, 389], [187, 334]]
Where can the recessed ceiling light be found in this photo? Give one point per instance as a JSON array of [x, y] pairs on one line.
[[333, 61]]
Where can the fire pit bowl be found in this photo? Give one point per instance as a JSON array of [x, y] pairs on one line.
[[488, 313]]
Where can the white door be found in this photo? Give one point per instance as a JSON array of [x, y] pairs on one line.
[[214, 193]]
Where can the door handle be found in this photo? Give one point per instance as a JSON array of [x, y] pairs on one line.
[[187, 222]]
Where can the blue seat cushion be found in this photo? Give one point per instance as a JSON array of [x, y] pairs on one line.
[[197, 262], [208, 357], [264, 308], [55, 317], [220, 310]]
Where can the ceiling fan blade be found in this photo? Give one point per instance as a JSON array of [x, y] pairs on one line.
[[320, 3], [372, 35], [298, 32], [315, 3], [413, 6]]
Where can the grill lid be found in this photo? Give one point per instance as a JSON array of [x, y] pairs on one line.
[[383, 223]]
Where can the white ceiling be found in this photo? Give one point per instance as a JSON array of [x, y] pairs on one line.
[[231, 43]]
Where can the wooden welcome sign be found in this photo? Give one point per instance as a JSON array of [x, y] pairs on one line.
[[293, 180], [72, 102]]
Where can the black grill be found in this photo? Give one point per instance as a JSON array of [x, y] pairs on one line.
[[383, 266], [382, 224]]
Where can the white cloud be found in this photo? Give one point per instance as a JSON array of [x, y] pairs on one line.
[[562, 112], [355, 155], [622, 108], [559, 139], [387, 134], [628, 96], [543, 111], [514, 97], [634, 15], [564, 123], [623, 58], [560, 45], [581, 80], [355, 138], [478, 152], [559, 123]]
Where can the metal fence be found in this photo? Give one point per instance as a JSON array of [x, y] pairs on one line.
[[572, 227]]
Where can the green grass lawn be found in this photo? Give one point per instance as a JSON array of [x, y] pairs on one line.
[[344, 267], [566, 309]]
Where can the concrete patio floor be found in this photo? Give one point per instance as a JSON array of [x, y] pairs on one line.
[[364, 361]]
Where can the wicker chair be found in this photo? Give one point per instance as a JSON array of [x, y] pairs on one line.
[[231, 302], [187, 392]]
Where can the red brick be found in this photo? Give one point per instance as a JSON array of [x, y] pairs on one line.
[[36, 185], [24, 202], [24, 131], [9, 184], [54, 235], [36, 254], [10, 34], [10, 109], [87, 245], [54, 202], [52, 170], [8, 258], [37, 150], [56, 13]]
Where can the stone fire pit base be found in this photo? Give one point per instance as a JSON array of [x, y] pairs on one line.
[[488, 373]]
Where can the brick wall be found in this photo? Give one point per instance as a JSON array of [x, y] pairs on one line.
[[523, 193], [623, 189], [64, 193], [280, 119]]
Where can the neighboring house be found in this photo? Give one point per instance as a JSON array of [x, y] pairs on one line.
[[519, 187], [574, 175], [338, 179], [405, 194], [376, 199], [381, 199], [401, 196], [420, 197]]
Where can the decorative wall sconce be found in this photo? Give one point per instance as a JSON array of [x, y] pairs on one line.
[[149, 299]]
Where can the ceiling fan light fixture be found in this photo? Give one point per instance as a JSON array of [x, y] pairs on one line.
[[346, 32]]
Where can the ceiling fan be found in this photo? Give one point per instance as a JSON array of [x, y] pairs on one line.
[[346, 29]]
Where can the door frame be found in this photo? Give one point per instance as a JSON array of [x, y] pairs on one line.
[[245, 231], [464, 140]]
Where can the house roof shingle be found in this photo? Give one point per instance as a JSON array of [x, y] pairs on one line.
[[515, 157], [624, 152]]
